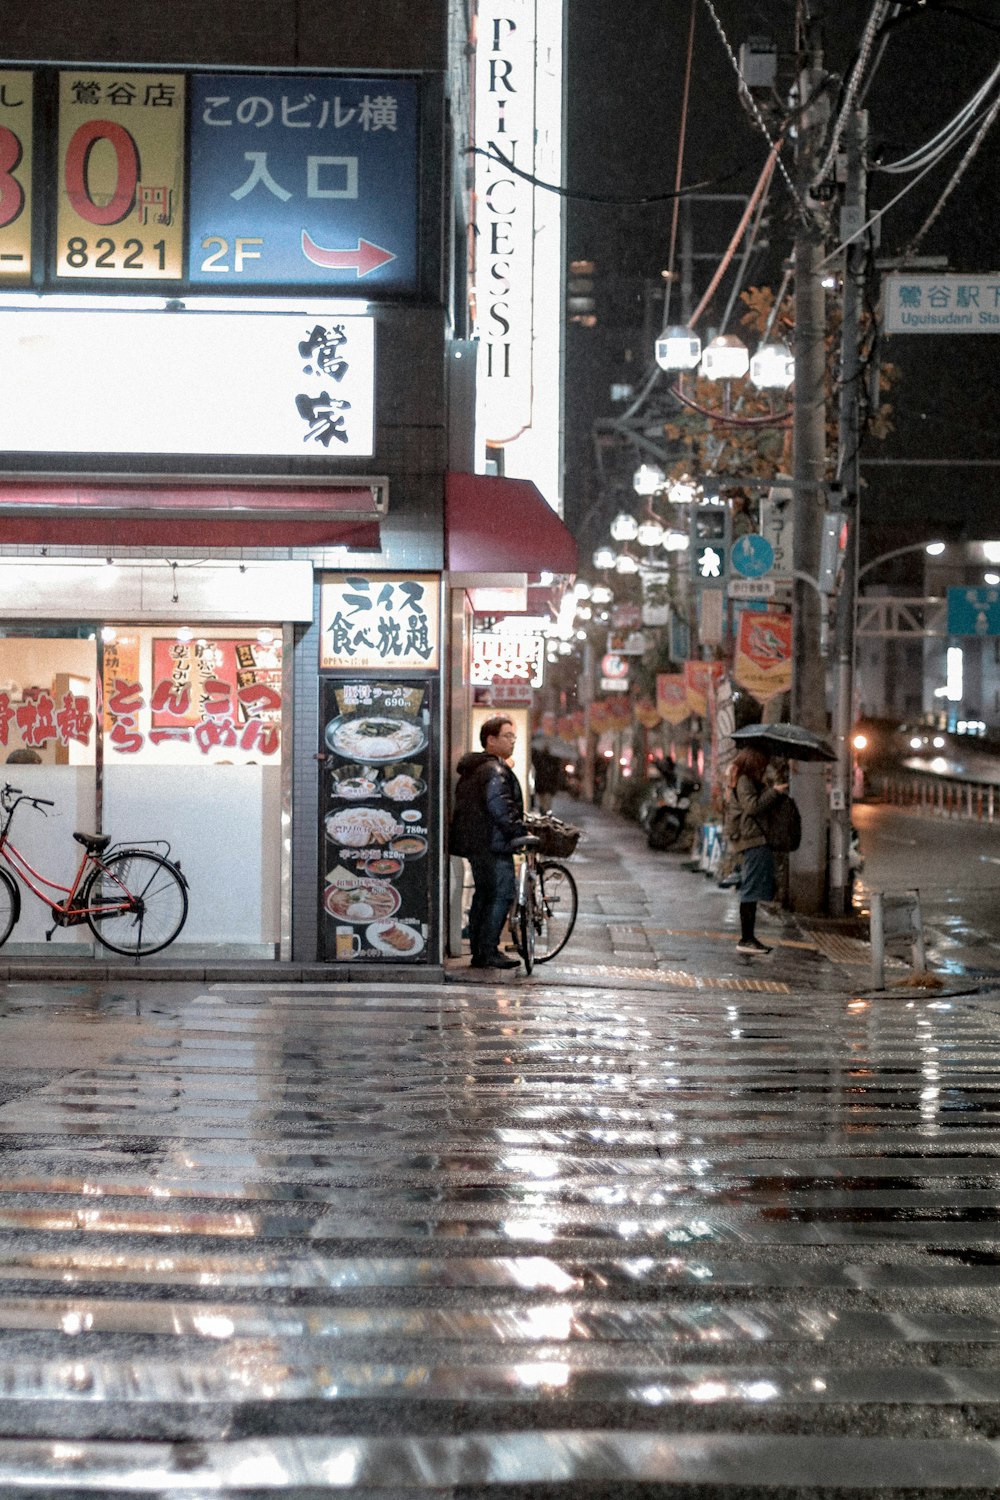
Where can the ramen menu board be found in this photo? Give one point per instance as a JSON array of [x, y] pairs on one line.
[[377, 853]]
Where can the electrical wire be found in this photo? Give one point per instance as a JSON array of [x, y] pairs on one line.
[[947, 136], [740, 230], [610, 199], [755, 110], [680, 165], [881, 212], [956, 177], [876, 20]]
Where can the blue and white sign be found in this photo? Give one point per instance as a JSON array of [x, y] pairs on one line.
[[752, 556], [974, 611], [304, 181]]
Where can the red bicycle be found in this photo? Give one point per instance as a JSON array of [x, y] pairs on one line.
[[134, 900]]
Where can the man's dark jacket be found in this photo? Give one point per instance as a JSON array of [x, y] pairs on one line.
[[489, 807]]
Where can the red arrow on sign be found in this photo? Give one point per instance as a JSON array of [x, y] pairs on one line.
[[366, 257]]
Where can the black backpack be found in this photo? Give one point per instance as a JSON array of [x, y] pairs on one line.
[[782, 824]]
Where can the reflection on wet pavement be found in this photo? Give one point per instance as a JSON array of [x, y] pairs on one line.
[[466, 1239]]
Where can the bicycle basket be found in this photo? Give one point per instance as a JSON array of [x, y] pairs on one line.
[[558, 839]]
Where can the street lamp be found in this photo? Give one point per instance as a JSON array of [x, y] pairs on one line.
[[772, 367], [677, 348], [933, 549], [843, 708], [624, 527], [647, 479], [604, 558]]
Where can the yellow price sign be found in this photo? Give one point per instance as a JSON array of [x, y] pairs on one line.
[[120, 213], [15, 175]]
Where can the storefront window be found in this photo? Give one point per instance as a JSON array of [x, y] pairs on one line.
[[189, 751], [192, 753]]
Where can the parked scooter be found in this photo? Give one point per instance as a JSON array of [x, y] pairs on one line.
[[664, 809]]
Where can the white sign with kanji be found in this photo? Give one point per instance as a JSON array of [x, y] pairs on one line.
[[941, 303]]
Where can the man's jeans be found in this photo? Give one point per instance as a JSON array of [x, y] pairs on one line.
[[494, 896]]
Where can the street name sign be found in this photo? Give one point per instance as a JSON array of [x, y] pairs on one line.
[[941, 304]]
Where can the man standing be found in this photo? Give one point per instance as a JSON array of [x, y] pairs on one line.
[[486, 828]]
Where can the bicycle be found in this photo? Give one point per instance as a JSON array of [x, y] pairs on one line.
[[134, 900], [545, 906]]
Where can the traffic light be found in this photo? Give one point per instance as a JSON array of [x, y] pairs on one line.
[[708, 542], [580, 304]]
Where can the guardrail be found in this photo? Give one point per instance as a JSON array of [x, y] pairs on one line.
[[975, 800]]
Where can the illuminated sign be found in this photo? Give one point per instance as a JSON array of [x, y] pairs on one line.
[[374, 620], [305, 181], [292, 384], [15, 176], [120, 213], [518, 274], [503, 656]]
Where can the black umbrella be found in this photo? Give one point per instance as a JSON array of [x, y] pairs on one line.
[[790, 741]]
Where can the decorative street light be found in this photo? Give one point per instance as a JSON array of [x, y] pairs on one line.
[[648, 478], [650, 533], [604, 558], [624, 527], [677, 348], [725, 358], [772, 367]]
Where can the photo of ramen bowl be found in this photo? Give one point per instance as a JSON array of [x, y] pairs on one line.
[[374, 739], [409, 845], [382, 867], [367, 901], [354, 783]]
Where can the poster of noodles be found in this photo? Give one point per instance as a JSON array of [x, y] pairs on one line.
[[377, 838]]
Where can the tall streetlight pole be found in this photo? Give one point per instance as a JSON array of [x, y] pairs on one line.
[[849, 476], [809, 863]]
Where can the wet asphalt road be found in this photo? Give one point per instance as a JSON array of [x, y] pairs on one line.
[[955, 864], [664, 1222]]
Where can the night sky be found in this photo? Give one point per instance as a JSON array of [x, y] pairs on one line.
[[625, 70]]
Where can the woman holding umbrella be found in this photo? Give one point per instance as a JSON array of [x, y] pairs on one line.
[[750, 799]]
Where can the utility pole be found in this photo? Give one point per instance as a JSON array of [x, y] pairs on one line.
[[809, 863], [852, 217]]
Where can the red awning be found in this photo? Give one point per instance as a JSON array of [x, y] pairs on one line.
[[112, 515], [504, 526]]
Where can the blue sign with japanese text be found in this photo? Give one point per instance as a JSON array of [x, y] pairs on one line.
[[304, 181], [974, 611]]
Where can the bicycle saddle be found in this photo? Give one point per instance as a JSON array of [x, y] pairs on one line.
[[94, 843], [527, 841]]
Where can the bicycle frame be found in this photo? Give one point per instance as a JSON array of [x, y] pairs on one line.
[[68, 911]]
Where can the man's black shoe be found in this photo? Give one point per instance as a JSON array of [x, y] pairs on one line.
[[495, 961]]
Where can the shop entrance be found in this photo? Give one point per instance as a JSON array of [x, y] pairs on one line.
[[150, 732]]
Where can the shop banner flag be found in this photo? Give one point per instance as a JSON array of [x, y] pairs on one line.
[[763, 663], [671, 697], [699, 677]]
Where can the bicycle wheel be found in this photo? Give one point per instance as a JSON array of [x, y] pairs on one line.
[[10, 905], [524, 937], [159, 902], [555, 914]]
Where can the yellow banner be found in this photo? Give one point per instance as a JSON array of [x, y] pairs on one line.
[[15, 176], [120, 214], [671, 697]]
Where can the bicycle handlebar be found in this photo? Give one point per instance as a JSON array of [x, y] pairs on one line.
[[15, 791]]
